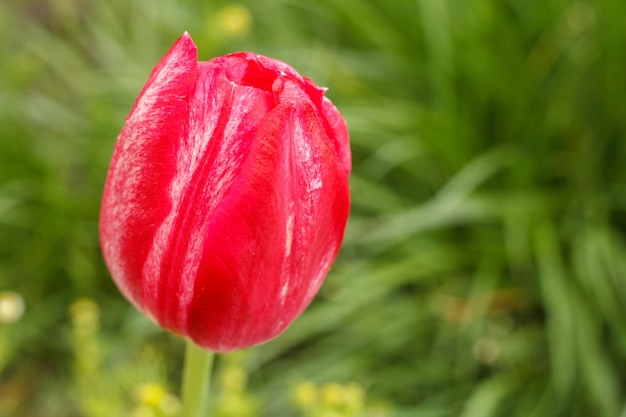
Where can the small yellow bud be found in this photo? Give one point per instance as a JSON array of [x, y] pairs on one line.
[[305, 395], [150, 394], [11, 306], [84, 312], [234, 20], [233, 378], [332, 394]]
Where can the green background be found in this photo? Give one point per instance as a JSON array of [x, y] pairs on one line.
[[484, 267]]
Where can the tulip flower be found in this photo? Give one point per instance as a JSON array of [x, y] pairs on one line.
[[227, 197]]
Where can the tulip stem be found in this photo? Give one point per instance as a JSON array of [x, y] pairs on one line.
[[196, 380]]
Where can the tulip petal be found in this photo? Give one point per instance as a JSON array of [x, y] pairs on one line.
[[337, 125], [223, 120], [135, 201], [245, 68], [273, 238]]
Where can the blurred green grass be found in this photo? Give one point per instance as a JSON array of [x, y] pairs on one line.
[[484, 267]]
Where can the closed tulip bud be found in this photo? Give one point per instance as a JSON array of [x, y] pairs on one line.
[[227, 197]]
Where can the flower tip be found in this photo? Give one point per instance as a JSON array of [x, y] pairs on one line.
[[186, 46], [185, 40]]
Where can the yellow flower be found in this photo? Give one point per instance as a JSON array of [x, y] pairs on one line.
[[233, 378], [150, 394], [84, 312], [305, 395], [234, 20], [11, 306], [333, 394]]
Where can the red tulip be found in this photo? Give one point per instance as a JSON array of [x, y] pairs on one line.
[[227, 197]]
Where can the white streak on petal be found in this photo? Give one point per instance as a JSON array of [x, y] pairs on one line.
[[289, 234], [315, 184], [283, 292], [305, 156]]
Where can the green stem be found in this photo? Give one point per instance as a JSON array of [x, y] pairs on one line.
[[196, 380]]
